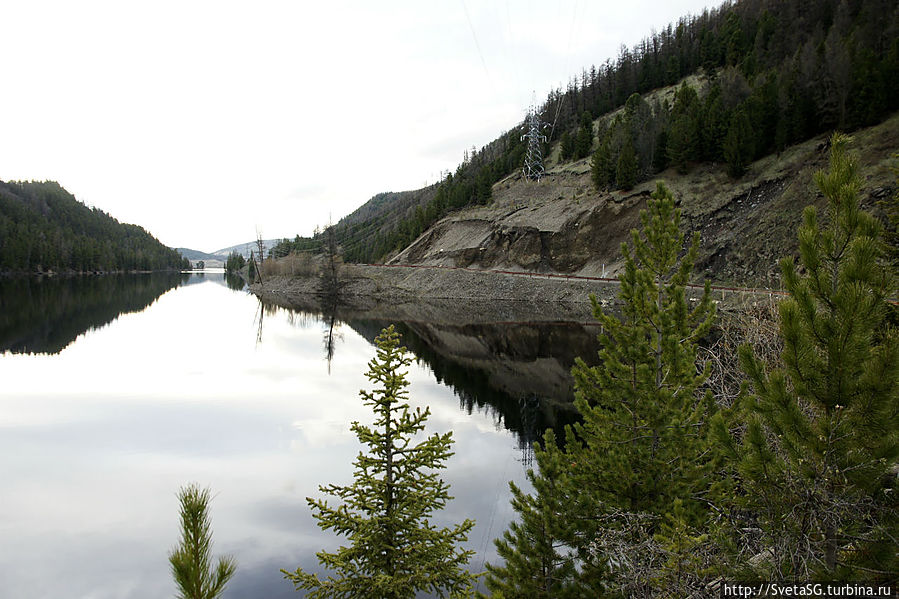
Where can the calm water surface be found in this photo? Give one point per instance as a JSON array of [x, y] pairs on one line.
[[116, 391]]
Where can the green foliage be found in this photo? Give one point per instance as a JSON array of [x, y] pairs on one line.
[[584, 140], [44, 228], [684, 134], [823, 430], [567, 146], [616, 512], [891, 207], [642, 444], [191, 560], [235, 262], [537, 563], [681, 545], [626, 170], [738, 144], [602, 169], [394, 550]]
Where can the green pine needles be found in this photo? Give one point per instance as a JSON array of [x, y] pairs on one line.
[[394, 551], [819, 454], [538, 563], [615, 512], [191, 560], [641, 450]]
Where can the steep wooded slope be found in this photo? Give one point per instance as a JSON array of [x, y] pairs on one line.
[[44, 228]]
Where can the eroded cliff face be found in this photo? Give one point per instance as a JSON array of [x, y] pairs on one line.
[[563, 225], [558, 225], [532, 238]]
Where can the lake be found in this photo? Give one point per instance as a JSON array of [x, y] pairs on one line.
[[118, 390]]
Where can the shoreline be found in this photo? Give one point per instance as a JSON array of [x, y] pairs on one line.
[[463, 295]]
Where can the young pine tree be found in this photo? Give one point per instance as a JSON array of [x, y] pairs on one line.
[[642, 444], [583, 141], [618, 511], [537, 562], [819, 455], [738, 144], [626, 170], [393, 551], [602, 167], [191, 560]]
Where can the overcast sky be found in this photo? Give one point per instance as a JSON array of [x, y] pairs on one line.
[[205, 121]]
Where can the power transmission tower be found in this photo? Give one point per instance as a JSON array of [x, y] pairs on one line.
[[533, 161]]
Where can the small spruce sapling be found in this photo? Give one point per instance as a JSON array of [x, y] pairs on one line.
[[394, 550]]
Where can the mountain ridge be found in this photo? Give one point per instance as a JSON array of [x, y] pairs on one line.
[[726, 88]]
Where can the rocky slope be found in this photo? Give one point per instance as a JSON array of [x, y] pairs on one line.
[[563, 225]]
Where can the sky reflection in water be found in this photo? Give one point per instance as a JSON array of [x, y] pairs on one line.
[[96, 440]]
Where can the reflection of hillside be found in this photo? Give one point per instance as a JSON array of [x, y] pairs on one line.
[[43, 316], [513, 360], [520, 371]]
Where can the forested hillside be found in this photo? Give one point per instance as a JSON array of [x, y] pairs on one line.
[[755, 77], [44, 228]]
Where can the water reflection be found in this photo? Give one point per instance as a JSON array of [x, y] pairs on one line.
[[234, 282], [44, 315], [518, 372], [97, 439]]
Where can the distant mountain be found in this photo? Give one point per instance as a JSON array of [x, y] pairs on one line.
[[244, 248], [44, 228], [222, 254], [194, 255]]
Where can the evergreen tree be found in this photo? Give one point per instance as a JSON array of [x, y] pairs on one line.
[[584, 140], [394, 551], [822, 437], [191, 561], [642, 443], [235, 262], [738, 144], [538, 564], [626, 171], [602, 168], [684, 134], [567, 146], [619, 511], [660, 158], [332, 265], [890, 207]]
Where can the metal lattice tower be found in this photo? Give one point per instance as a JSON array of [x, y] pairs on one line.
[[533, 161]]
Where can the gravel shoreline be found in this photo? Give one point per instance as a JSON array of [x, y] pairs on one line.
[[431, 292]]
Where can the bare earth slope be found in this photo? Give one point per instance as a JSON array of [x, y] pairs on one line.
[[563, 225]]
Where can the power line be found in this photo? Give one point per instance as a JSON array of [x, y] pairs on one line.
[[476, 43]]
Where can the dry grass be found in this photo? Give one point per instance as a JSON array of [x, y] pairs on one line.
[[755, 324], [302, 264]]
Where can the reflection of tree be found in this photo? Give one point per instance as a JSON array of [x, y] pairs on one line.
[[260, 313], [527, 415], [234, 281], [529, 409], [327, 316], [44, 315], [331, 334]]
